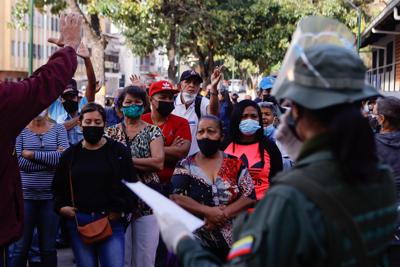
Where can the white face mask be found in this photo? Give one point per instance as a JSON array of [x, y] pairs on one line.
[[289, 143], [188, 98]]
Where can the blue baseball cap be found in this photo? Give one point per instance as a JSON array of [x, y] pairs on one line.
[[267, 82]]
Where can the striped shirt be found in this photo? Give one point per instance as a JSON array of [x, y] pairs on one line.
[[37, 174]]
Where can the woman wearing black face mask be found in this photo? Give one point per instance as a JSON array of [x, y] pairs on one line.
[[93, 169], [214, 186]]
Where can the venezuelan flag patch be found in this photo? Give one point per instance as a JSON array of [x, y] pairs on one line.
[[241, 247]]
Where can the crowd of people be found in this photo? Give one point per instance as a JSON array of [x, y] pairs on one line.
[[276, 180]]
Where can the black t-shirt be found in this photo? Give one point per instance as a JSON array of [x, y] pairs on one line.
[[92, 178], [96, 178]]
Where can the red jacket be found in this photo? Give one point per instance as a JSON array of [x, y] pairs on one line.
[[20, 102]]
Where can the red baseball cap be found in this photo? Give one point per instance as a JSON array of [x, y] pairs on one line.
[[162, 86]]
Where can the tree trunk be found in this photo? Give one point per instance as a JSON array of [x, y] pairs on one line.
[[202, 66], [171, 49], [210, 63]]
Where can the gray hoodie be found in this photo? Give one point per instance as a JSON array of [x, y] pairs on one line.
[[388, 146]]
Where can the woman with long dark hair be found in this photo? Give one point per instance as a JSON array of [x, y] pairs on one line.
[[247, 141]]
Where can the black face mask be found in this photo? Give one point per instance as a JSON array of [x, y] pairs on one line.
[[208, 147], [268, 98], [165, 108], [70, 106], [92, 134]]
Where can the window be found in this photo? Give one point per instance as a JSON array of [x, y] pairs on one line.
[[389, 56]]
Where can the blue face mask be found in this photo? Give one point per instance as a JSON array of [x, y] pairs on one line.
[[249, 126], [269, 130], [133, 111]]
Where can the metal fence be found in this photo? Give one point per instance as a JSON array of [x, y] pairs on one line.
[[385, 78]]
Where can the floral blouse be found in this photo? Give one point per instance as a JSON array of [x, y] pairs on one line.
[[140, 148], [233, 182]]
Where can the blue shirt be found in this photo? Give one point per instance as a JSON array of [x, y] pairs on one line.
[[225, 117], [57, 113], [112, 117]]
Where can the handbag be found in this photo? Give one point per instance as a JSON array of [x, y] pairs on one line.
[[93, 232]]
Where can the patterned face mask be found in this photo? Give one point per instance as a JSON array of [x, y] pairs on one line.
[[133, 111]]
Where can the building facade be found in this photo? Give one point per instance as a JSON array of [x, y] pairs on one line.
[[382, 40], [15, 43]]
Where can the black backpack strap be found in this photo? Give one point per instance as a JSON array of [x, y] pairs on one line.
[[197, 106], [332, 211]]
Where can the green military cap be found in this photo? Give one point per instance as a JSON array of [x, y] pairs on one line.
[[326, 75]]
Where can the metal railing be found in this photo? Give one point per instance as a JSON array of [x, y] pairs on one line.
[[385, 78]]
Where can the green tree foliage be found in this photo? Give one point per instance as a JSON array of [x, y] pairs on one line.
[[256, 32]]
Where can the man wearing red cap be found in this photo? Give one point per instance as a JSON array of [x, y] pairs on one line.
[[175, 129]]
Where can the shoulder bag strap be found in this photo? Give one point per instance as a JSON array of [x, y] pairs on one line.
[[334, 212], [197, 106], [70, 185]]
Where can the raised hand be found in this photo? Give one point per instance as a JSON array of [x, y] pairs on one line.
[[135, 81], [70, 31], [216, 76]]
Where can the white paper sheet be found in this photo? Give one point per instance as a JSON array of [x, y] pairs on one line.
[[160, 204]]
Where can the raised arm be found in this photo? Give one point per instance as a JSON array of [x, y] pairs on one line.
[[26, 99], [213, 107], [84, 53]]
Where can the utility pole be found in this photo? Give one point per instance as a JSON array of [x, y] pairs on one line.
[[31, 20]]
